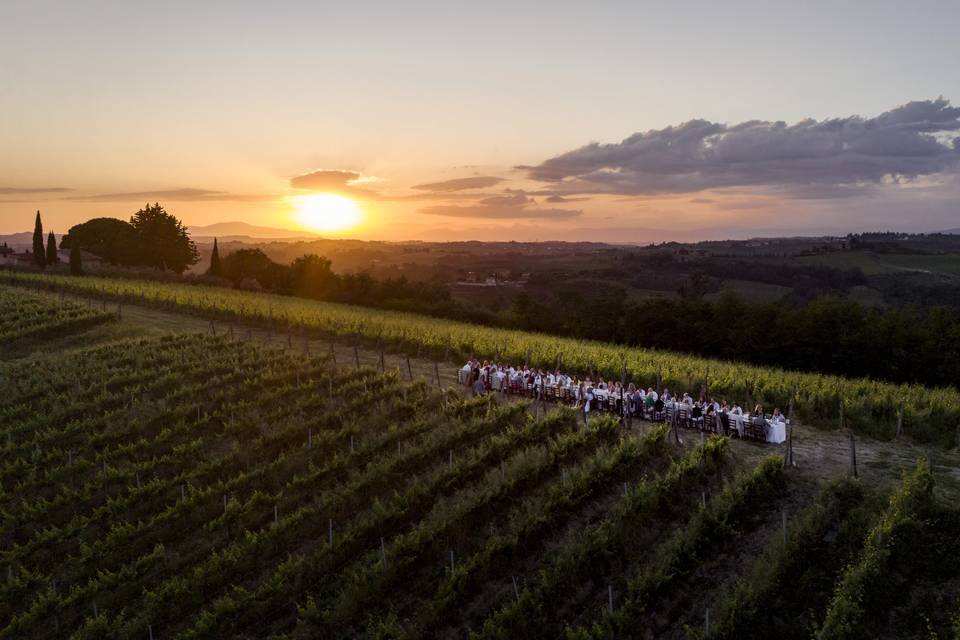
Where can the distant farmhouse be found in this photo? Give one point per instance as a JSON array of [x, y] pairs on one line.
[[11, 258]]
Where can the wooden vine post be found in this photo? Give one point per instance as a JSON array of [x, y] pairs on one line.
[[788, 456]]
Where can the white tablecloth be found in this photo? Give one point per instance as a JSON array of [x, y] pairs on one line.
[[776, 432]]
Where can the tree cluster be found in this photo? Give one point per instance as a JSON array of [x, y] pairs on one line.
[[311, 276], [152, 238]]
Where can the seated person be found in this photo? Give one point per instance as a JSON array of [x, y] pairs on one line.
[[649, 400], [658, 406], [778, 417]]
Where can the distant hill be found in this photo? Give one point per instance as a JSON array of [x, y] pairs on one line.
[[242, 230], [952, 231], [24, 239]]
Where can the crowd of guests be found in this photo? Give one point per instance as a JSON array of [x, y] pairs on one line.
[[632, 400]]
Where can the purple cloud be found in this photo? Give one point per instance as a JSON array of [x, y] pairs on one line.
[[459, 184], [907, 142]]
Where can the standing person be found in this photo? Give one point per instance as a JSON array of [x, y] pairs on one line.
[[587, 401], [479, 388]]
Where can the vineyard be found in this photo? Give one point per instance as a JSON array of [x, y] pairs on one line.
[[196, 486], [28, 316], [880, 410]]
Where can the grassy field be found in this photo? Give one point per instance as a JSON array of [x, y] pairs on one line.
[[199, 486], [754, 292], [870, 264], [887, 263]]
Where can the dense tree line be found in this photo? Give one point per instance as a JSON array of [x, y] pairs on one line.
[[829, 334]]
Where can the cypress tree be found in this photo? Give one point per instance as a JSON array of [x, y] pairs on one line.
[[76, 262], [215, 268], [39, 252], [52, 250]]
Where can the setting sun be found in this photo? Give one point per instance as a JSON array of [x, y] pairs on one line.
[[326, 212]]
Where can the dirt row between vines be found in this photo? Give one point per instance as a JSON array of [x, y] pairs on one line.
[[817, 452]]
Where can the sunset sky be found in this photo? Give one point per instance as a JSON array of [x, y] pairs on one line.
[[624, 122]]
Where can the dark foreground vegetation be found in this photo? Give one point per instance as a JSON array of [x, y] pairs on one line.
[[198, 487]]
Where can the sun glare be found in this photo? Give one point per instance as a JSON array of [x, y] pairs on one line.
[[326, 212]]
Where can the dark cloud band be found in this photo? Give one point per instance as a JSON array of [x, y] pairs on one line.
[[916, 139]]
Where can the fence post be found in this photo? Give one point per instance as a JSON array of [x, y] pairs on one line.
[[899, 420], [853, 456], [356, 356], [436, 370], [783, 515], [409, 369]]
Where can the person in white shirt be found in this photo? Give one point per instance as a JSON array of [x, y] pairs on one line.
[[587, 399], [737, 410], [778, 417]]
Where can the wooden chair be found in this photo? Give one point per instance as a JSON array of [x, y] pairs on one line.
[[711, 424], [755, 428]]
